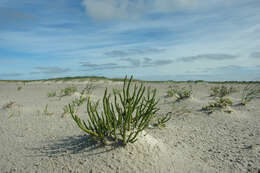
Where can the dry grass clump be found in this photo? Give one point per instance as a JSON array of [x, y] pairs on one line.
[[179, 93], [122, 117], [222, 91], [249, 93], [218, 104]]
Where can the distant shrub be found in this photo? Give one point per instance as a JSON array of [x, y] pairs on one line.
[[179, 93], [249, 93], [219, 103], [222, 91], [122, 119]]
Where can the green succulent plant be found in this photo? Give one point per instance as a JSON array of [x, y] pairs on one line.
[[122, 117]]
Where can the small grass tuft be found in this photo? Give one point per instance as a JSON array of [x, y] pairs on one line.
[[51, 94], [68, 91], [46, 112], [218, 104]]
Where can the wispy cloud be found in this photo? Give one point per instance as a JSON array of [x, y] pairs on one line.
[[148, 62], [255, 55], [51, 70], [133, 61], [125, 63], [131, 52], [128, 9], [4, 76], [105, 66], [207, 57]]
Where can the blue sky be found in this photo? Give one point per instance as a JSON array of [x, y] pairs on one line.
[[152, 40]]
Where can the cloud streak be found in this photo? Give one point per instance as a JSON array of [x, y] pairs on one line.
[[131, 52], [125, 63], [148, 62], [255, 55], [207, 57], [129, 9], [51, 70]]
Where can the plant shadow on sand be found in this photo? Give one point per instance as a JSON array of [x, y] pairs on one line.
[[74, 145]]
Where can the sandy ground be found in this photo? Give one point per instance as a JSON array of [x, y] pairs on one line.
[[193, 141]]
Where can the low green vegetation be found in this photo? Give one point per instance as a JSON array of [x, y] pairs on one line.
[[218, 104], [122, 117], [179, 92], [249, 93], [51, 94], [19, 88], [221, 91], [68, 91]]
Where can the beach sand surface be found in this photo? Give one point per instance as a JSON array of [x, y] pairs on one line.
[[34, 140]]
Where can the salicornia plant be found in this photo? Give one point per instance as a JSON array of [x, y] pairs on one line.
[[123, 116]]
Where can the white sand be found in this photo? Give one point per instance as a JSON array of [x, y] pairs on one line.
[[193, 141]]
